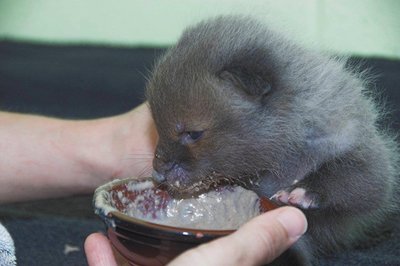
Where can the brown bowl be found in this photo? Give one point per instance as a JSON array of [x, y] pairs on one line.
[[145, 243]]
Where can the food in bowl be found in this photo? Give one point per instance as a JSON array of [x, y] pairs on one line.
[[222, 209], [134, 212]]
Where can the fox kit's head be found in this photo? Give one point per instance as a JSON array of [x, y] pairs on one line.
[[230, 102]]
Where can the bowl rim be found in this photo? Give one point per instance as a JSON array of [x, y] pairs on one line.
[[116, 219]]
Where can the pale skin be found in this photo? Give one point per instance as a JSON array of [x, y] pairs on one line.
[[46, 157]]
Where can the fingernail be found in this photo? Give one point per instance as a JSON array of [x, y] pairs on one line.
[[294, 221]]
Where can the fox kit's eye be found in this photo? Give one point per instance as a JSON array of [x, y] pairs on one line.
[[190, 137], [195, 135]]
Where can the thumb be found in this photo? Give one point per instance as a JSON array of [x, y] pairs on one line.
[[259, 241], [98, 251]]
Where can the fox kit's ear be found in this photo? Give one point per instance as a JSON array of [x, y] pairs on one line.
[[248, 80], [249, 69]]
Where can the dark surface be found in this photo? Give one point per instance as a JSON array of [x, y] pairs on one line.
[[83, 82], [72, 81]]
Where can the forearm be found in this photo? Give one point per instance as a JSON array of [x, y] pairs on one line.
[[46, 157]]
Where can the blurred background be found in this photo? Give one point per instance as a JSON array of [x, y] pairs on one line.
[[357, 27], [82, 59]]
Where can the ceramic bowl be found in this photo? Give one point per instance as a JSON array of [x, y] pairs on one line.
[[145, 243]]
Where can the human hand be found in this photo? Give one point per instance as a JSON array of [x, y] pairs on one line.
[[259, 241], [133, 138], [67, 157]]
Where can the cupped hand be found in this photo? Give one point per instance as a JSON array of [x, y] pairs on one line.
[[259, 241]]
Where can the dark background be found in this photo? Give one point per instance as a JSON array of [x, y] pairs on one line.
[[83, 82]]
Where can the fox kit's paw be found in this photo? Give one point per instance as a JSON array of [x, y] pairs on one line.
[[298, 197]]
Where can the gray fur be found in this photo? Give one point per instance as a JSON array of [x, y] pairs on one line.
[[272, 113]]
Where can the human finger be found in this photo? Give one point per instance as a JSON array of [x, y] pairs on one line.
[[98, 251], [259, 241]]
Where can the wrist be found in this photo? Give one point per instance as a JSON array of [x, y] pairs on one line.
[[118, 147]]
